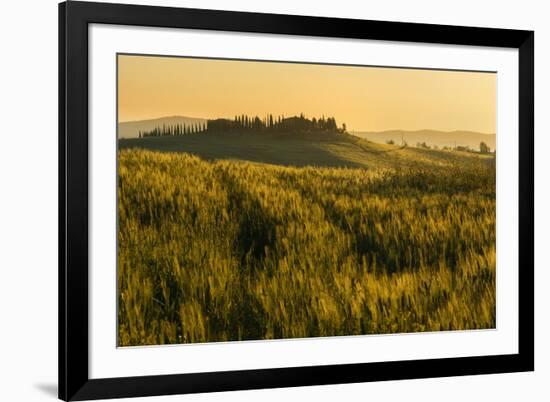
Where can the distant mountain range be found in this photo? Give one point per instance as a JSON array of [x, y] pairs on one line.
[[431, 137], [131, 129]]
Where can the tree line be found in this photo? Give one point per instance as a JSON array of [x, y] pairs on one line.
[[167, 130], [269, 123], [483, 147]]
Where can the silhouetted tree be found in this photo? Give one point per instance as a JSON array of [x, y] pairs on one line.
[[484, 148], [268, 123]]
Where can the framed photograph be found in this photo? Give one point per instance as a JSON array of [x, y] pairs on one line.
[[257, 201]]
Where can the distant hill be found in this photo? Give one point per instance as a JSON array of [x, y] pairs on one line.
[[432, 137], [131, 129], [332, 149]]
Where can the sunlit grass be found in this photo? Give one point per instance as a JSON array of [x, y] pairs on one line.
[[227, 250]]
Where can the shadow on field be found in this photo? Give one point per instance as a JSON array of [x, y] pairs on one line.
[[281, 149]]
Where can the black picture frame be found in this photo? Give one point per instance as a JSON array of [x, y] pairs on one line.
[[74, 381]]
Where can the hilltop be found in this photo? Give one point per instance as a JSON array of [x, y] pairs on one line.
[[294, 141]]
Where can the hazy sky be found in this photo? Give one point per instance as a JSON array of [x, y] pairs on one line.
[[365, 98]]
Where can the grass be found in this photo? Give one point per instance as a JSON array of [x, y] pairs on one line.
[[300, 149], [223, 250]]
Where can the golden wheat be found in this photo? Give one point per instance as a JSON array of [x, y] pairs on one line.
[[228, 250]]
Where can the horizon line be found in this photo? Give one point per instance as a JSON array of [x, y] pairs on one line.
[[296, 115]]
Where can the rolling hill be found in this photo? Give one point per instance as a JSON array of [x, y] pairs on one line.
[[441, 139], [294, 233], [220, 249], [432, 137], [329, 149], [130, 129]]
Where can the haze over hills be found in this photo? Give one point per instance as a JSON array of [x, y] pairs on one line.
[[131, 129], [431, 137]]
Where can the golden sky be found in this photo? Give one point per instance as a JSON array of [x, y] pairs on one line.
[[365, 98]]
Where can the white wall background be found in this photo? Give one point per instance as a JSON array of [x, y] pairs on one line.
[[28, 198]]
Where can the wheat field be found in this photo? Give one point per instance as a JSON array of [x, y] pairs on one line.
[[227, 250]]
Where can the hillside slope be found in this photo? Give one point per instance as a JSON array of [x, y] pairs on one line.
[[301, 149], [432, 137]]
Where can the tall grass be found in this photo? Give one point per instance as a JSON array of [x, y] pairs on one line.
[[227, 250]]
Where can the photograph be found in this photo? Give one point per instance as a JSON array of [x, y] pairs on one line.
[[266, 200]]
